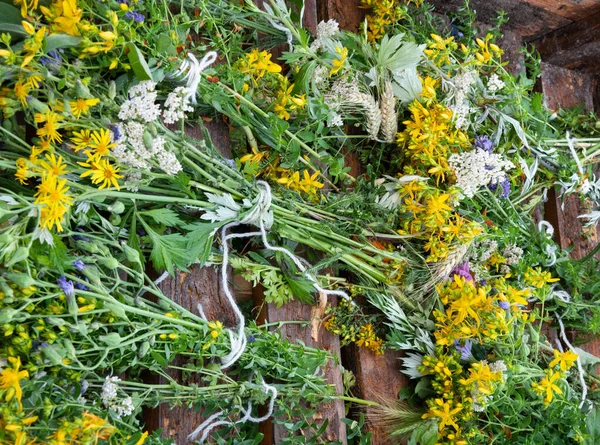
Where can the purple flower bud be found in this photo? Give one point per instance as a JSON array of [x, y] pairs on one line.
[[116, 133], [251, 339], [464, 350], [505, 187], [67, 286], [79, 265], [463, 271], [484, 143], [504, 304], [135, 16], [81, 286]]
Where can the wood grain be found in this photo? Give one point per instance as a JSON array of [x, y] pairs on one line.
[[576, 46]]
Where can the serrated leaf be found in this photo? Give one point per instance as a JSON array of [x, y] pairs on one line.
[[138, 62], [200, 240], [164, 216], [168, 251], [301, 287], [56, 41]]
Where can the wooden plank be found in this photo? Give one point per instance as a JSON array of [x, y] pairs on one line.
[[348, 13], [576, 46], [569, 88], [525, 18], [332, 411], [379, 379], [574, 10], [566, 88]]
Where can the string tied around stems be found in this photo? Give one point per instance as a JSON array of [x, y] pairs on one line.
[[191, 70]]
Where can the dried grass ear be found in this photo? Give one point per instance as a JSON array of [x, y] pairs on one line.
[[396, 416]]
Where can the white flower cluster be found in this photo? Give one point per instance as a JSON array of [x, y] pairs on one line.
[[486, 248], [320, 76], [176, 105], [498, 366], [141, 104], [132, 150], [477, 168], [461, 109], [495, 83], [109, 398], [335, 121], [325, 30], [512, 253]]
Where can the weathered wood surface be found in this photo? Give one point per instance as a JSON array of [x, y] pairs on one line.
[[567, 88], [576, 46], [332, 411]]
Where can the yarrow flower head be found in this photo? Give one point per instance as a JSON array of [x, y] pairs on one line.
[[109, 397], [477, 168], [495, 83], [176, 105]]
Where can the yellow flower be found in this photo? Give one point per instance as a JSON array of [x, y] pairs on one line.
[[257, 64], [445, 413], [82, 106], [338, 63], [309, 183], [53, 191], [81, 139], [565, 360], [51, 125], [105, 174], [142, 439], [10, 378], [53, 215], [436, 206], [25, 6], [100, 142], [547, 386], [64, 16], [536, 277], [256, 156], [22, 91], [55, 165], [22, 170], [216, 327]]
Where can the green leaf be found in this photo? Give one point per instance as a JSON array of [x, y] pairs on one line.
[[13, 30], [593, 425], [56, 41], [168, 251], [138, 63], [113, 339], [200, 240], [395, 54], [165, 45], [159, 359], [164, 216], [301, 287], [10, 14]]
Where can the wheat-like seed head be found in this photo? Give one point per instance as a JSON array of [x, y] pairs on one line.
[[389, 118]]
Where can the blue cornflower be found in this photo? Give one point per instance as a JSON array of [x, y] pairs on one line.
[[455, 32], [465, 350], [484, 143], [81, 286], [114, 128], [504, 304], [251, 339], [67, 286], [79, 265], [135, 16]]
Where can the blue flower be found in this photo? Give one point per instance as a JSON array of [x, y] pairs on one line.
[[135, 16], [504, 304], [67, 286], [79, 265], [465, 350], [505, 188], [251, 339], [455, 32], [484, 143], [81, 286], [115, 131]]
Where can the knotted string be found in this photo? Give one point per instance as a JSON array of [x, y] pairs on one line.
[[547, 230], [191, 70]]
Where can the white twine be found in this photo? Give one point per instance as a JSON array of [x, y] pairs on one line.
[[162, 278], [191, 70], [547, 230], [211, 423], [584, 388]]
